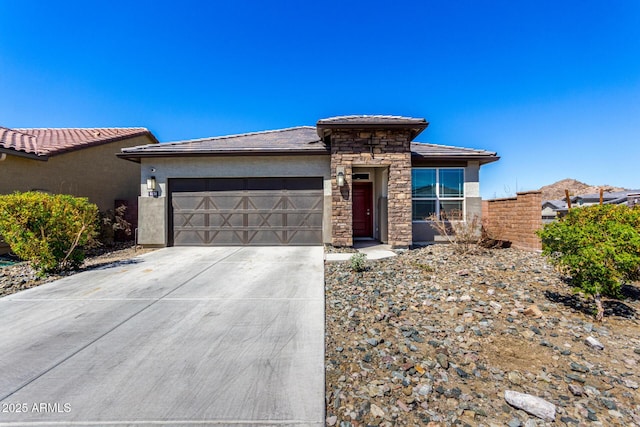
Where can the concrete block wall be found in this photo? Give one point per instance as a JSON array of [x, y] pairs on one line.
[[515, 219]]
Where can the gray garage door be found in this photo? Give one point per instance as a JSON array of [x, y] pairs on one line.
[[246, 211]]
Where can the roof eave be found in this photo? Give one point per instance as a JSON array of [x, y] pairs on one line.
[[482, 158], [23, 154], [416, 128], [137, 157]]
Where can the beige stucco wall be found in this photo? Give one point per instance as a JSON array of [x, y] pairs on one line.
[[94, 172], [153, 212]]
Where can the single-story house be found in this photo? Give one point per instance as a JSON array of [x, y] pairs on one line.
[[552, 209], [348, 177], [80, 162]]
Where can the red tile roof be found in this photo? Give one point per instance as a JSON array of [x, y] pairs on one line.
[[43, 143], [12, 139]]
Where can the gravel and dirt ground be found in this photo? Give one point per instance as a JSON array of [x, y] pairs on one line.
[[435, 338]]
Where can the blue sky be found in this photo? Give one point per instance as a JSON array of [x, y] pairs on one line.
[[553, 87]]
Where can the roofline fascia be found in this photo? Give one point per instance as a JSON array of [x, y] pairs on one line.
[[24, 154], [422, 125], [137, 157], [483, 159], [417, 128]]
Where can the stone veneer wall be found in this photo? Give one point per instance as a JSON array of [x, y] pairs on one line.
[[515, 219], [354, 148]]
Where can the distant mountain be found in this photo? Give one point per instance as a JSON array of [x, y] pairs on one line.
[[555, 191]]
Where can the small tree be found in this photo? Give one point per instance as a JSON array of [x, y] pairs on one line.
[[48, 230], [597, 246]]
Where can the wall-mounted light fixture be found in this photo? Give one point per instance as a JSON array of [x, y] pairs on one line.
[[151, 186], [340, 176]]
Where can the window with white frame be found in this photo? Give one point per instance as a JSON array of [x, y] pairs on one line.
[[438, 191]]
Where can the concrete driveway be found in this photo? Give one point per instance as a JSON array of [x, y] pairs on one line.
[[180, 336]]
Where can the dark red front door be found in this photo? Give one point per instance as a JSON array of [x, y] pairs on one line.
[[362, 209]]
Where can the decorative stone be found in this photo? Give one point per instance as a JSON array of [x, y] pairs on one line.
[[443, 360], [576, 390], [578, 367], [531, 404], [533, 311], [376, 411], [594, 343]]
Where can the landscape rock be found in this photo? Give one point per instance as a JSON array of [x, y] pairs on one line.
[[531, 404], [446, 351], [533, 311], [576, 390], [594, 343], [376, 411]]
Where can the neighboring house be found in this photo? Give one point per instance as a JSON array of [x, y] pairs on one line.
[[80, 162], [552, 209], [347, 178]]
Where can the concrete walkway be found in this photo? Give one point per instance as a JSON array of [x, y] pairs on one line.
[[180, 336], [373, 249]]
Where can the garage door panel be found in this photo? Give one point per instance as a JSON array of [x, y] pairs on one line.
[[265, 212]]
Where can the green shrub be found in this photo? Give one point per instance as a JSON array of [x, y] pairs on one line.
[[598, 246], [358, 262], [48, 230]]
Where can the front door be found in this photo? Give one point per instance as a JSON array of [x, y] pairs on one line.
[[362, 209]]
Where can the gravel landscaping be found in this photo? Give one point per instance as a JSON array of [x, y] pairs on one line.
[[435, 338], [498, 338]]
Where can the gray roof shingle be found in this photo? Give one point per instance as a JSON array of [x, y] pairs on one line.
[[372, 120], [296, 140], [302, 139], [414, 125], [421, 150]]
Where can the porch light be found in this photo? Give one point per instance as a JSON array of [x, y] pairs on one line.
[[151, 186], [340, 179]]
